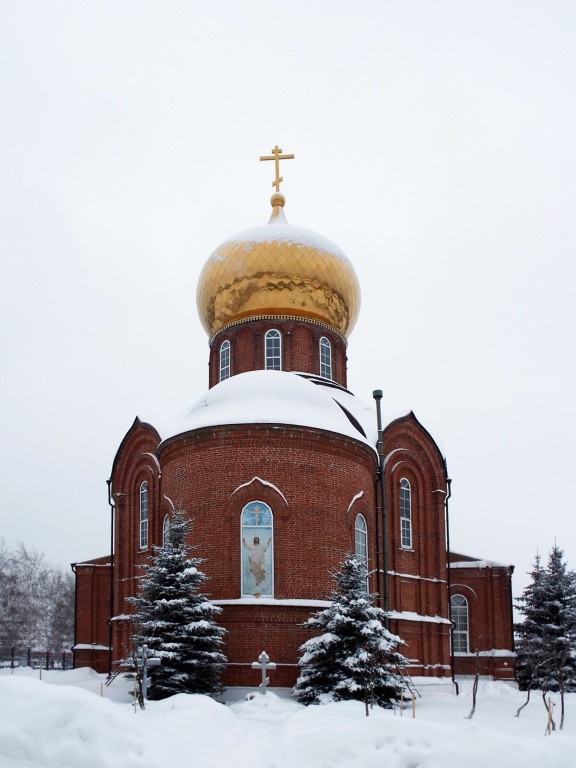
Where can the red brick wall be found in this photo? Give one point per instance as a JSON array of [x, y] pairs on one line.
[[488, 590], [316, 483], [300, 348], [279, 632], [93, 581], [316, 476], [134, 462], [426, 646], [418, 579]]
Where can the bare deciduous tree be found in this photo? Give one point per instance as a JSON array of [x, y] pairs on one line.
[[36, 601]]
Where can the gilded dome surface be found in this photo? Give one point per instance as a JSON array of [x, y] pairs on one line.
[[278, 270]]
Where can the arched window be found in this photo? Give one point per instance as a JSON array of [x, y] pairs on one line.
[[143, 515], [361, 542], [273, 350], [165, 530], [257, 549], [361, 539], [460, 633], [405, 514], [225, 360], [325, 358]]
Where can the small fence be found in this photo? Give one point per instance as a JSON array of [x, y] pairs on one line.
[[26, 657]]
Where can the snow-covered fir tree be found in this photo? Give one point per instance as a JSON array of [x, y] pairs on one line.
[[355, 655], [546, 638], [177, 621], [529, 643]]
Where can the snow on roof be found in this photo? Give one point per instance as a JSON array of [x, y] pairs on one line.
[[278, 397], [494, 653], [298, 602], [90, 647], [264, 482], [280, 230], [478, 564], [412, 616]]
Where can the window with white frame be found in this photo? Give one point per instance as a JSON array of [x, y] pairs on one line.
[[165, 530], [225, 360], [405, 514], [325, 358], [273, 350], [361, 542], [361, 539], [143, 534], [460, 619]]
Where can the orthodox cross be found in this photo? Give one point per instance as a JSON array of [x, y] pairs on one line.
[[263, 663], [277, 156]]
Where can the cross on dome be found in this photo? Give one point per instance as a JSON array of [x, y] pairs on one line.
[[277, 156]]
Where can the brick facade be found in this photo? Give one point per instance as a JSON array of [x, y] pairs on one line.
[[300, 348], [487, 588], [212, 473], [316, 481], [92, 612]]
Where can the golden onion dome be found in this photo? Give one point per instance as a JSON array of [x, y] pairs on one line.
[[278, 270]]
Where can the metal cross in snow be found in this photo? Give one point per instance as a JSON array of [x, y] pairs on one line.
[[263, 663], [277, 156]]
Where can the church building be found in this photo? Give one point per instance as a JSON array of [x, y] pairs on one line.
[[282, 472]]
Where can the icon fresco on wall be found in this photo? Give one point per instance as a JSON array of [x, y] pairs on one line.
[[257, 550]]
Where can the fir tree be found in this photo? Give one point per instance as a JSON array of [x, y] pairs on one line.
[[546, 639], [176, 621], [529, 644], [354, 657]]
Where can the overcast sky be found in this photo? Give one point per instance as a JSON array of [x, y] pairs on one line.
[[434, 144]]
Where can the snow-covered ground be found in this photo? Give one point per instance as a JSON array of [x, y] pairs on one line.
[[62, 721]]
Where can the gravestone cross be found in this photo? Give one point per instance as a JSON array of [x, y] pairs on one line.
[[264, 664]]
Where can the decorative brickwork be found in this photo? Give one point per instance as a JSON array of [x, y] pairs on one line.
[[300, 348]]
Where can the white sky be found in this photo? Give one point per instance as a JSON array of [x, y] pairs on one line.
[[434, 144]]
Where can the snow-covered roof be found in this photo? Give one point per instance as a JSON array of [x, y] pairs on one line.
[[412, 616], [279, 230], [278, 397], [478, 564], [296, 602], [90, 647]]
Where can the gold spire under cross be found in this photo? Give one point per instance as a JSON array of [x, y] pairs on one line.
[[277, 156]]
